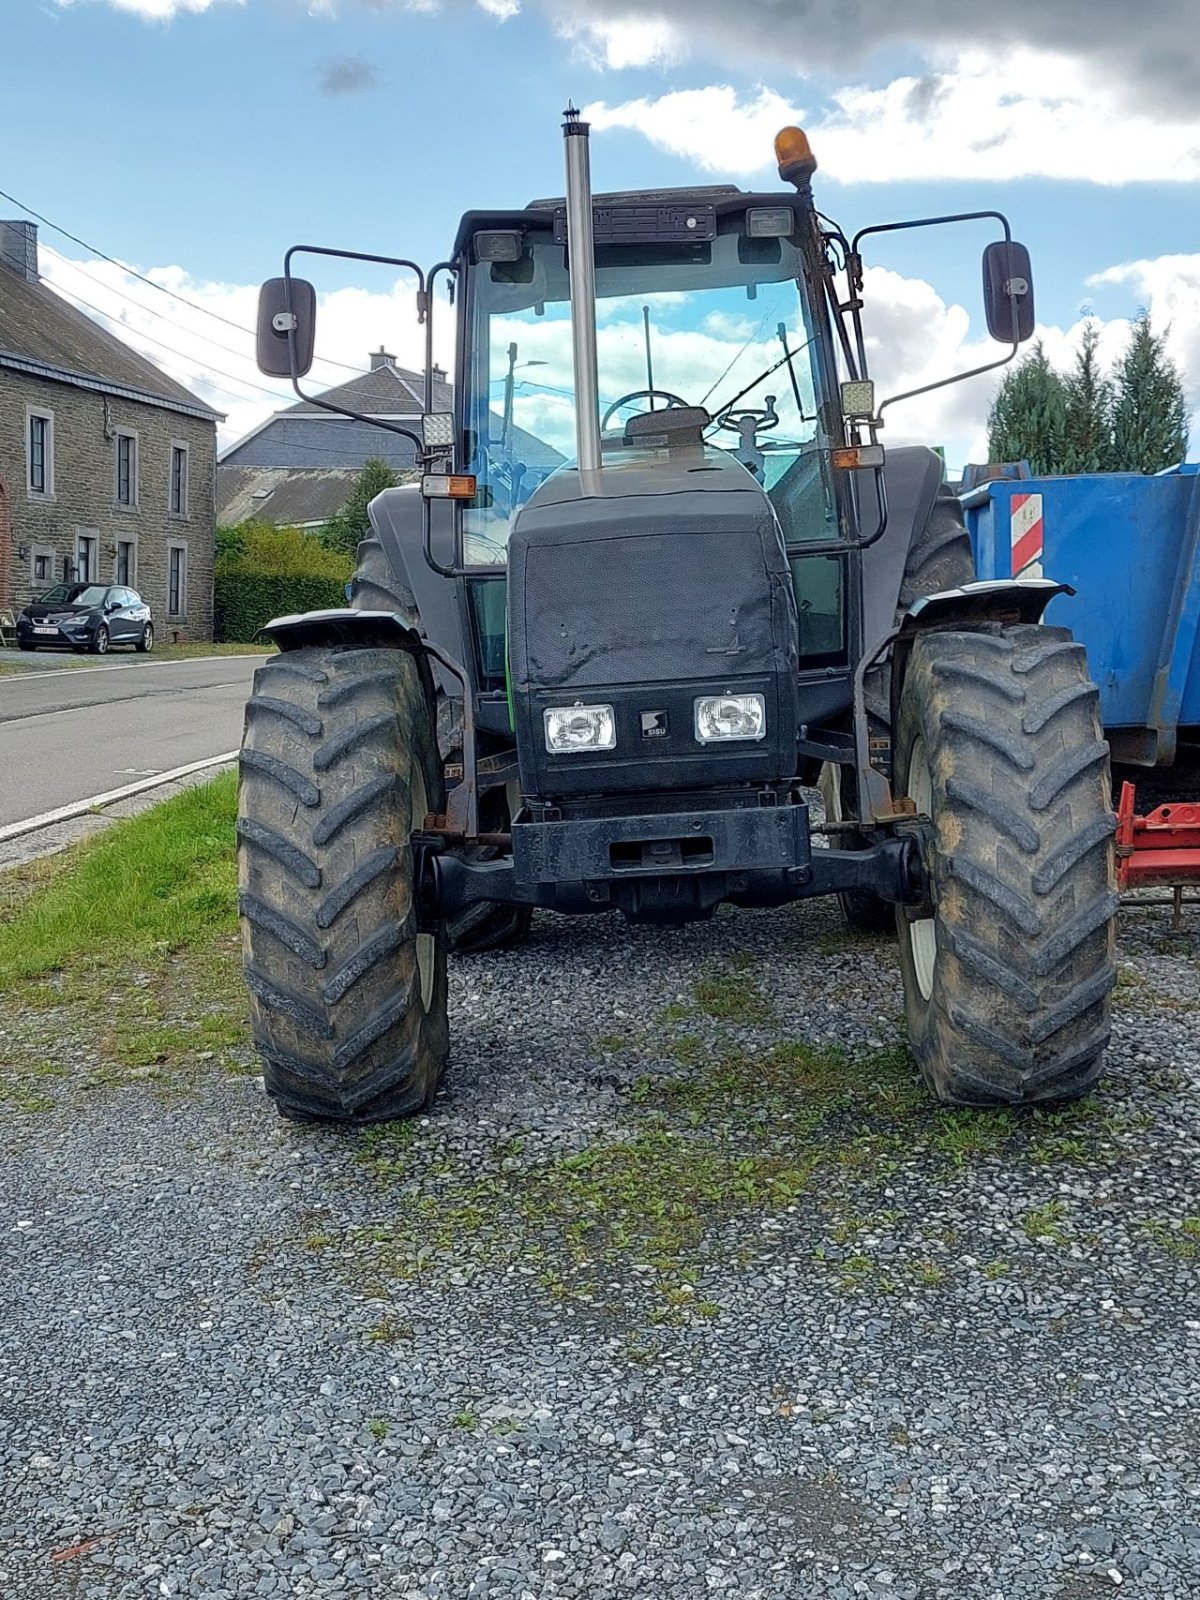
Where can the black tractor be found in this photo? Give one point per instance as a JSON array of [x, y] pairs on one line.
[[641, 604]]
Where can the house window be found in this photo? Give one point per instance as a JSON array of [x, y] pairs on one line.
[[126, 568], [40, 453], [177, 580], [85, 558], [41, 564], [127, 470], [179, 480]]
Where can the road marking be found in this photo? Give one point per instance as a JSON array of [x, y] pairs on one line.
[[79, 808], [125, 666]]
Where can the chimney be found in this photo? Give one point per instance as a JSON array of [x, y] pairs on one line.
[[18, 248], [380, 358]]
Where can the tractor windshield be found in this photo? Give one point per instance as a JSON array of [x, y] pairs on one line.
[[724, 325]]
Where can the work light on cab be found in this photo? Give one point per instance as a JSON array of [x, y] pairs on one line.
[[579, 727]]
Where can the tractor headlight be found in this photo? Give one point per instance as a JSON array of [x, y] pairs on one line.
[[730, 716], [579, 727]]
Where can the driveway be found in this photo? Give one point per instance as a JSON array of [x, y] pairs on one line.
[[68, 736]]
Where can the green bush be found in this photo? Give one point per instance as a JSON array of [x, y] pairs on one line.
[[264, 572]]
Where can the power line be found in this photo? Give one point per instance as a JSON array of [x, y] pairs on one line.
[[242, 399], [170, 293], [149, 311]]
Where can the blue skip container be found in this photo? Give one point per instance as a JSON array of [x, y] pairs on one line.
[[1130, 547]]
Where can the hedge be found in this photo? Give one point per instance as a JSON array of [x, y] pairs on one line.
[[245, 601]]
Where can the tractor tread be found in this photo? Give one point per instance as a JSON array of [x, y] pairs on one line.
[[289, 933], [959, 672], [1006, 900], [342, 744], [1009, 820], [286, 666], [296, 715], [363, 876], [337, 692], [368, 955], [290, 777], [289, 856], [338, 816], [1003, 742], [1022, 864], [1097, 832], [1073, 765], [1036, 718]]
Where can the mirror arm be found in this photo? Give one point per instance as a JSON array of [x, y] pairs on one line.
[[955, 377]]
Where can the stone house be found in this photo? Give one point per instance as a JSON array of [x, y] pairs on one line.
[[107, 466]]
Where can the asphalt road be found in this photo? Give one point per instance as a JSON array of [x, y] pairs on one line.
[[66, 736]]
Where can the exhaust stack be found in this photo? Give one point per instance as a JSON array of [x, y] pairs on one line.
[[581, 256]]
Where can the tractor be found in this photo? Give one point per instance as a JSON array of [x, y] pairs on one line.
[[638, 608]]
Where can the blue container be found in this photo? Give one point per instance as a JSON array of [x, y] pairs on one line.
[[1130, 547]]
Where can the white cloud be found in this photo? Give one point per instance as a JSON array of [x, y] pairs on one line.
[[1023, 114], [623, 41], [159, 10], [1169, 287]]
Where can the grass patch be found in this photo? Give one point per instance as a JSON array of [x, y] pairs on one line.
[[733, 997], [123, 951], [159, 881]]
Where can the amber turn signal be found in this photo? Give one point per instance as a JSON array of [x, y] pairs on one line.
[[449, 486], [857, 455]]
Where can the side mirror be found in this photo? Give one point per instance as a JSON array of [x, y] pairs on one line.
[[276, 322], [1008, 291]]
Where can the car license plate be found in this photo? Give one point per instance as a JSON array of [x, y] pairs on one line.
[[45, 630]]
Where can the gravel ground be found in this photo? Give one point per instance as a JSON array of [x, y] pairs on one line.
[[951, 1358]]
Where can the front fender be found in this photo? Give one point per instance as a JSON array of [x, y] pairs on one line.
[[1003, 600], [344, 628]]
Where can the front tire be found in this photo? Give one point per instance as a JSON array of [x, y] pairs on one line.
[[348, 992], [146, 642], [1007, 982], [100, 641]]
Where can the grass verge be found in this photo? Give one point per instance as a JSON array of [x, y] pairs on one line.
[[119, 956]]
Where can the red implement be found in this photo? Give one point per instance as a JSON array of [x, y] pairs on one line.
[[1160, 850]]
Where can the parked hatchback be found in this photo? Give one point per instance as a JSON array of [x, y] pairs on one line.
[[86, 616]]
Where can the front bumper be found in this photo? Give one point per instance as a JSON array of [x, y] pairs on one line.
[[673, 867], [44, 633]]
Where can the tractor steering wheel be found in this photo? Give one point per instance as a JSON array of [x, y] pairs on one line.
[[750, 421], [673, 402]]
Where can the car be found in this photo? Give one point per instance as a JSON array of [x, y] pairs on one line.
[[86, 616]]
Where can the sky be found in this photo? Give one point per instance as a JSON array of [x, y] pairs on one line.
[[194, 140]]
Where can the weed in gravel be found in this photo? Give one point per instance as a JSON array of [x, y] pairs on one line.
[[466, 1419], [733, 997], [1044, 1222], [1179, 1239], [377, 1427], [391, 1330]]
